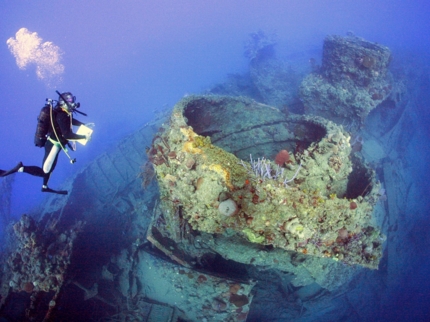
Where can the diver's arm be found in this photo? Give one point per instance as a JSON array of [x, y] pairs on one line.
[[77, 123], [63, 121]]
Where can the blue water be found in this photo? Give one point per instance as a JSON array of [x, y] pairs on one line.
[[124, 60]]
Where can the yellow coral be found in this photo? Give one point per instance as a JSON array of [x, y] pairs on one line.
[[225, 173], [189, 133], [252, 236], [189, 147], [202, 141]]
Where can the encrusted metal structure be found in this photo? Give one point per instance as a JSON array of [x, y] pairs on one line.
[[318, 202]]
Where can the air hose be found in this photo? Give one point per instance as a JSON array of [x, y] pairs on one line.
[[56, 135]]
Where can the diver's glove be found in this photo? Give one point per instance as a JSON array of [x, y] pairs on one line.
[[90, 125], [88, 137]]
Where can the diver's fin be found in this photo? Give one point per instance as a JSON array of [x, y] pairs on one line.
[[60, 192], [13, 170]]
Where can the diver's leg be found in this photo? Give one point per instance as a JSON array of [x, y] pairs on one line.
[[50, 159], [13, 170], [49, 163], [33, 170], [46, 174]]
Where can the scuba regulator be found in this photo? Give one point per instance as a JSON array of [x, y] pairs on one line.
[[71, 106]]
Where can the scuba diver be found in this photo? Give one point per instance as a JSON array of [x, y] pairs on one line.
[[54, 132]]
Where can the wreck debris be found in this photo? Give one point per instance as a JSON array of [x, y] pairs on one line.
[[303, 216], [40, 260], [352, 81], [93, 293], [259, 44], [201, 296]]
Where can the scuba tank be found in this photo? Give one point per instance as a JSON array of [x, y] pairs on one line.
[[43, 124]]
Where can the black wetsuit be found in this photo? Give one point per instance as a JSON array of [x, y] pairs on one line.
[[63, 133], [63, 127]]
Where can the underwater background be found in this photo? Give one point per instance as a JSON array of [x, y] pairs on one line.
[[129, 63]]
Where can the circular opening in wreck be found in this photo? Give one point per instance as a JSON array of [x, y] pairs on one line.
[[261, 137], [360, 181], [198, 112]]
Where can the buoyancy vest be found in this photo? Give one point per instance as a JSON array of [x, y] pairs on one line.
[[43, 126]]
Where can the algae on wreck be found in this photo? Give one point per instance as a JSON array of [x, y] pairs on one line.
[[310, 214]]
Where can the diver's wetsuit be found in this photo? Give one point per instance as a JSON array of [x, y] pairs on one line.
[[63, 122], [33, 170]]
